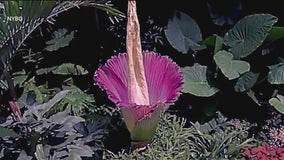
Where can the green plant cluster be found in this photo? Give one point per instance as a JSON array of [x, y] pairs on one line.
[[42, 121], [217, 139], [42, 133]]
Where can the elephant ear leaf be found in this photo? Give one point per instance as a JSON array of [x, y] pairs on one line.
[[278, 103], [248, 34], [246, 81], [230, 68], [196, 83], [183, 33], [276, 74]]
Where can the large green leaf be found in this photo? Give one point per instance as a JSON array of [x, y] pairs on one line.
[[5, 132], [248, 34], [275, 34], [60, 39], [70, 69], [195, 81], [246, 81], [278, 103], [183, 32], [230, 68], [41, 109], [276, 74]]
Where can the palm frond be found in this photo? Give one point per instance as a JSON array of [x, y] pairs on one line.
[[105, 5], [20, 18], [18, 21]]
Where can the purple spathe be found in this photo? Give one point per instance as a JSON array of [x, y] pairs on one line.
[[164, 82]]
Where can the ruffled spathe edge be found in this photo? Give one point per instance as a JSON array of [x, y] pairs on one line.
[[164, 80]]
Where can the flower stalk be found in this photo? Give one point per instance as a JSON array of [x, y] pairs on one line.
[[138, 90]]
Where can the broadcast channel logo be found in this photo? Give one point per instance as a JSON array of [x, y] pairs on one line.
[[9, 18]]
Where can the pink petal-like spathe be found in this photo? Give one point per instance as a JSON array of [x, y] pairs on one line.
[[163, 76], [112, 77], [164, 82]]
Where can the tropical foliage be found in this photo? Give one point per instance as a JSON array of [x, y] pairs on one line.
[[51, 107], [231, 54]]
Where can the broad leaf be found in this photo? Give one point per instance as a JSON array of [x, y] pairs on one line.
[[23, 156], [42, 71], [248, 34], [60, 39], [218, 44], [276, 74], [70, 69], [40, 110], [183, 33], [195, 81], [246, 81], [5, 132], [230, 68], [210, 41], [275, 34], [39, 154], [65, 119], [64, 69], [81, 150], [278, 103]]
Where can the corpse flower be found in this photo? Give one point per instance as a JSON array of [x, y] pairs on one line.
[[142, 84]]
